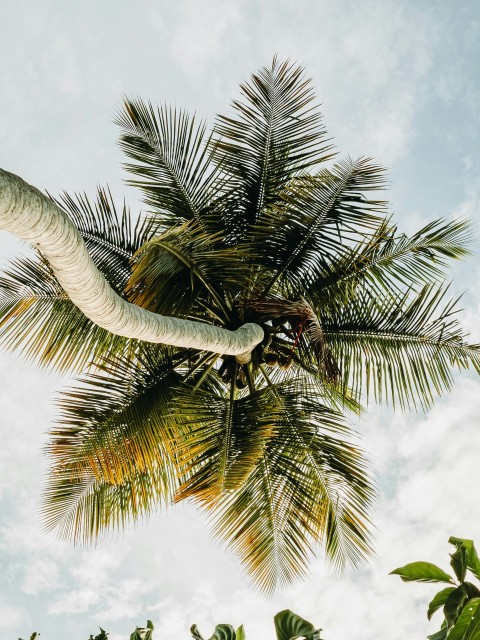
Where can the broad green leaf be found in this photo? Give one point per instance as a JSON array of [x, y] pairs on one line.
[[455, 603], [439, 600], [222, 632], [289, 625], [458, 562], [457, 600], [143, 633], [422, 572], [473, 561], [196, 635], [467, 626], [241, 633], [439, 635]]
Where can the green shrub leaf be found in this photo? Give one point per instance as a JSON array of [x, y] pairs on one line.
[[467, 626], [455, 603], [473, 561], [458, 562], [438, 601], [439, 635], [289, 626], [196, 635], [143, 633], [241, 633], [222, 632], [422, 572]]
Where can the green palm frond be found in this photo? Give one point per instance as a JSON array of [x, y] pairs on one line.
[[400, 348], [318, 216], [171, 157], [111, 237], [335, 395], [83, 508], [390, 261], [276, 133], [310, 486], [39, 320], [115, 427], [330, 393], [186, 271], [225, 437]]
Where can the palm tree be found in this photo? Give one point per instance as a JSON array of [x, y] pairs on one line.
[[223, 340]]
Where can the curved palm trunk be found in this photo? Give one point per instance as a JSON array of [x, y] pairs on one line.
[[31, 216]]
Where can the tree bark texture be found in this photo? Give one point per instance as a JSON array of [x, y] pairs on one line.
[[30, 215]]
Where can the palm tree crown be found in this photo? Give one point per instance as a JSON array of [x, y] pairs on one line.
[[254, 222]]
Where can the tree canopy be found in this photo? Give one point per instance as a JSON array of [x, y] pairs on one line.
[[258, 222]]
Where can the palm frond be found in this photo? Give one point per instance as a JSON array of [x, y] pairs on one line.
[[311, 485], [390, 261], [170, 156], [400, 348], [82, 507], [111, 237], [187, 272], [115, 428], [276, 132], [41, 323], [225, 437], [318, 217]]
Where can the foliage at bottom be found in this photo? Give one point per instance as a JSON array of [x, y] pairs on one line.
[[288, 626]]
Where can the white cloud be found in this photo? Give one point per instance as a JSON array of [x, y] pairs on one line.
[[198, 33], [381, 67], [41, 575], [91, 577], [75, 601], [26, 413], [124, 600], [10, 616]]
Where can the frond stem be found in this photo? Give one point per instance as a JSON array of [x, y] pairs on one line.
[[207, 370]]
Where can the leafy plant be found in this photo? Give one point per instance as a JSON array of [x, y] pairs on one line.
[[460, 602], [103, 635], [288, 626], [140, 633], [143, 633], [246, 224]]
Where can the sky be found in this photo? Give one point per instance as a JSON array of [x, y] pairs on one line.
[[398, 81]]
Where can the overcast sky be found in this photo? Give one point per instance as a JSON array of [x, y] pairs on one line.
[[398, 81]]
